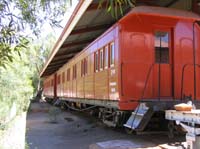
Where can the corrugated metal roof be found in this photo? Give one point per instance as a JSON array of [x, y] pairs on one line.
[[85, 25]]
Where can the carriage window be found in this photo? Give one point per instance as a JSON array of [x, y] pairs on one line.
[[112, 54], [162, 47], [58, 79], [101, 59], [63, 77], [106, 57], [82, 68], [68, 74], [96, 56], [86, 67], [74, 72]]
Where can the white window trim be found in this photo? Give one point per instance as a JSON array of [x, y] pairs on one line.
[[112, 44], [106, 57], [101, 59], [96, 61]]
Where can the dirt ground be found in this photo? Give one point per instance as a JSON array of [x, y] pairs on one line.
[[74, 130]]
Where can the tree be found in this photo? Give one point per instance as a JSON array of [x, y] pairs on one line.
[[38, 54], [18, 56], [114, 7], [20, 16], [15, 85]]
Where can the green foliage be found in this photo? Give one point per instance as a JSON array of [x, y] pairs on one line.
[[20, 16], [6, 51], [20, 62], [115, 6], [20, 79], [38, 53], [15, 85]]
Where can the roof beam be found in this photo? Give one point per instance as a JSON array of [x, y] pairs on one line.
[[90, 29], [67, 53], [55, 66], [148, 2], [56, 63], [172, 2], [96, 6], [64, 60], [64, 56], [61, 59], [77, 43], [73, 20], [50, 71]]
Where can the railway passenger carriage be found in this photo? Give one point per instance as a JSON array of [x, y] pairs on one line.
[[148, 55], [49, 86]]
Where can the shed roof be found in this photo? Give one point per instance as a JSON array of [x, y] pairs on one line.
[[86, 23]]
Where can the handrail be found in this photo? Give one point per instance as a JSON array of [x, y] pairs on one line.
[[182, 77], [122, 89], [147, 79], [194, 61]]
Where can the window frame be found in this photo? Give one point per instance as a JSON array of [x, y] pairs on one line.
[[58, 79], [82, 68], [86, 66], [96, 61], [101, 57], [68, 74], [74, 72], [159, 51], [112, 54], [63, 77], [52, 83], [106, 56]]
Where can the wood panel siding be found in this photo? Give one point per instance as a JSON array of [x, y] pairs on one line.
[[101, 85], [89, 86], [49, 86]]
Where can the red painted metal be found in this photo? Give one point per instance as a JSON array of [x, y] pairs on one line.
[[135, 57]]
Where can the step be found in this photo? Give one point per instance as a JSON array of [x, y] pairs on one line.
[[139, 118], [138, 114]]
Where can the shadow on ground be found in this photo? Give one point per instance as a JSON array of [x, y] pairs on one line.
[[79, 131]]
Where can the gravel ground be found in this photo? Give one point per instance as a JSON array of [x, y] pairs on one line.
[[80, 131]]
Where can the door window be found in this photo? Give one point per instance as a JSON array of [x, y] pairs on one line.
[[162, 47]]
